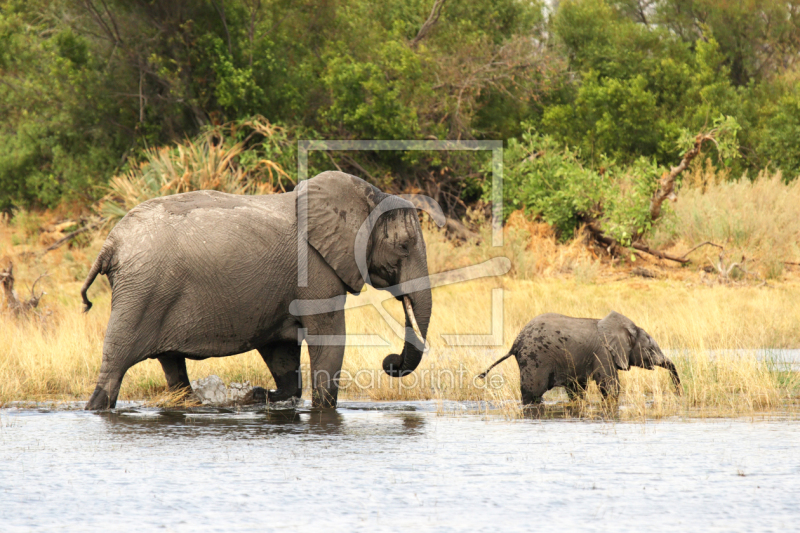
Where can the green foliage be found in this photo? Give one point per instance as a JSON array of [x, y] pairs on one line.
[[244, 157], [549, 181], [86, 88], [781, 136]]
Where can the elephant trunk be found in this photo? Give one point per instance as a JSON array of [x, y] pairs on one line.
[[417, 308], [669, 365]]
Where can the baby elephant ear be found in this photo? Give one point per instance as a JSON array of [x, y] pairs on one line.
[[617, 333], [336, 206]]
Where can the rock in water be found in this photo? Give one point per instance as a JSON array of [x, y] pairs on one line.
[[238, 391], [210, 390]]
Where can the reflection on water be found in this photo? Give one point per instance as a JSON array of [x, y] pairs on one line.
[[389, 466]]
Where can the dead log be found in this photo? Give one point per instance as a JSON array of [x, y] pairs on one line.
[[72, 235], [13, 302]]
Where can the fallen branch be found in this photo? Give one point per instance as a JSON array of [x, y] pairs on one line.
[[707, 243], [611, 243], [666, 185], [661, 255], [13, 302], [72, 235]]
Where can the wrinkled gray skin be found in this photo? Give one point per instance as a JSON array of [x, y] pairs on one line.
[[208, 274], [559, 351]]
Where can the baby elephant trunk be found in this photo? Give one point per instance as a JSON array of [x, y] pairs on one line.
[[669, 365]]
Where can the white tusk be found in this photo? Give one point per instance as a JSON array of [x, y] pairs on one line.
[[410, 311]]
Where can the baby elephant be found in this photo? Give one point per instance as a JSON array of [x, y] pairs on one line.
[[556, 350]]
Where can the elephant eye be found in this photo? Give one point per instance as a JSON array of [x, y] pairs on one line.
[[403, 248]]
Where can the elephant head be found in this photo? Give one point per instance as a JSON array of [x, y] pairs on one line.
[[368, 236], [630, 346]]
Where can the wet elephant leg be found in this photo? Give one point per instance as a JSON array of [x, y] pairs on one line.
[[534, 379], [106, 392], [283, 361], [326, 335], [576, 388], [174, 366], [326, 368], [608, 385]]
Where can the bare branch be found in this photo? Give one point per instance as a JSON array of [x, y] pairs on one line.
[[221, 10], [72, 235], [666, 185], [707, 243], [433, 18], [333, 160], [13, 302]]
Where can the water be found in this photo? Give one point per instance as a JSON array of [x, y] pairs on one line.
[[389, 467], [779, 358]]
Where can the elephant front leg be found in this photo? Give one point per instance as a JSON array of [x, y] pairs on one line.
[[608, 385], [106, 392], [283, 361], [326, 368], [326, 335], [576, 388]]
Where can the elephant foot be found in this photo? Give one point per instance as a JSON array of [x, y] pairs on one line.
[[256, 395], [98, 401], [283, 395]]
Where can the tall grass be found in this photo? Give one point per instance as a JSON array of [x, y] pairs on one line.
[[56, 355], [248, 157], [758, 220]]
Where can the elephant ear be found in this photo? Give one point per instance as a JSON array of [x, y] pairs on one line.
[[337, 205], [617, 333]]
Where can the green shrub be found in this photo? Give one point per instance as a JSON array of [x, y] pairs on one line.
[[550, 181]]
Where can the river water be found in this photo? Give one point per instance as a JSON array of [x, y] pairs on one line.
[[389, 467]]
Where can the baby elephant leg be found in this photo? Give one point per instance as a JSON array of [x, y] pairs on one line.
[[609, 385], [576, 388], [533, 384]]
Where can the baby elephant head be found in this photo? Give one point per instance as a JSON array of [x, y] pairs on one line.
[[633, 346]]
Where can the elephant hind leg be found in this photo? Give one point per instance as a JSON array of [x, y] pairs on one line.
[[534, 381], [108, 385], [532, 390], [174, 366], [283, 361]]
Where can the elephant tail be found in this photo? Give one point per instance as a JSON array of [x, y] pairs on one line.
[[100, 266], [506, 356]]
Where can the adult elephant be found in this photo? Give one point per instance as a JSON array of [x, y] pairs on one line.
[[208, 274]]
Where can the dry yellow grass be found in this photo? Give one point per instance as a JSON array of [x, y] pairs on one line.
[[56, 355], [758, 220]]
